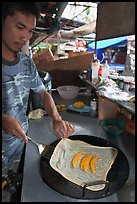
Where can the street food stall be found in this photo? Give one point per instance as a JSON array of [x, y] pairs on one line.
[[41, 182]]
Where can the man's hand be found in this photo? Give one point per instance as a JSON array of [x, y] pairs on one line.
[[12, 126], [63, 128]]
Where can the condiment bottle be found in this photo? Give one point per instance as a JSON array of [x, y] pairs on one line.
[[95, 67], [85, 74], [93, 102], [100, 70], [105, 72]]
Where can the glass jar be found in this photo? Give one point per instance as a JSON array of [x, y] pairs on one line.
[[132, 86], [121, 83], [126, 86]]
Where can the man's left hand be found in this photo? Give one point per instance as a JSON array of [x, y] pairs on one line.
[[63, 128]]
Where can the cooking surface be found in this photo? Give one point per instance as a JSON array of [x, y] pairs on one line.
[[116, 178], [35, 190]]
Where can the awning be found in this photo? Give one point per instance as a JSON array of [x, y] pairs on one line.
[[106, 43]]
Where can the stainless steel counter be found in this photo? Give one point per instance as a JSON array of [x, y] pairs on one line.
[[35, 190]]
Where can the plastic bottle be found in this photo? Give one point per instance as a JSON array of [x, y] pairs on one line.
[[93, 104], [100, 70], [105, 71], [93, 101], [85, 74], [95, 67]]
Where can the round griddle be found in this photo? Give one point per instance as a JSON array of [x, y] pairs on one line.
[[116, 177]]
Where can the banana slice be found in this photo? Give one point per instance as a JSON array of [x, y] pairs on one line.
[[92, 164], [76, 158], [86, 162], [82, 161]]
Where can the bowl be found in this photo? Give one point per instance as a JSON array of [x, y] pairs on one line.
[[68, 91], [113, 126]]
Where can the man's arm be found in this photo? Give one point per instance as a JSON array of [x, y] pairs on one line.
[[12, 126], [63, 128], [49, 105]]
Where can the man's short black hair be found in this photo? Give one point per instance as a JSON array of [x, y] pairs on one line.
[[8, 8]]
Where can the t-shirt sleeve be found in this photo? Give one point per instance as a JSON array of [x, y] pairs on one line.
[[36, 83]]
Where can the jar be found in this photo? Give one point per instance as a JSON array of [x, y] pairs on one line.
[[132, 86], [126, 86], [127, 80], [121, 84]]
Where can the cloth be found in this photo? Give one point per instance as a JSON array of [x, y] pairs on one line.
[[18, 78]]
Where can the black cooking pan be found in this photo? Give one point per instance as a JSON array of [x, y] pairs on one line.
[[116, 178]]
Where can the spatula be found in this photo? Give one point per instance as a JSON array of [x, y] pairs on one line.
[[44, 149]]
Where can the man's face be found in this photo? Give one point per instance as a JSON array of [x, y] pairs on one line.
[[17, 30]]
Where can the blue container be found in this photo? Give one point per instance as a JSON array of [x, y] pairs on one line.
[[113, 126]]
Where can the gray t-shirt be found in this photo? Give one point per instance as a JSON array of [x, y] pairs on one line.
[[18, 77]]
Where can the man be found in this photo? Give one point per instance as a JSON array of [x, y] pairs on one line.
[[19, 75]]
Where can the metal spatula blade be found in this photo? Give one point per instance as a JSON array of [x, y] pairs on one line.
[[43, 149]]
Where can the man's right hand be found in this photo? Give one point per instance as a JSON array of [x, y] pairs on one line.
[[12, 126]]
